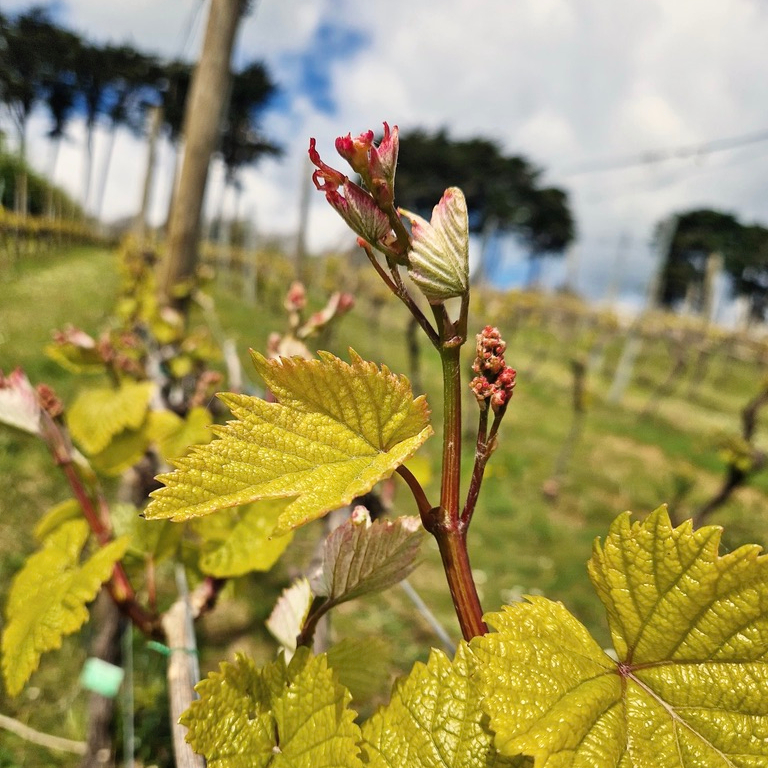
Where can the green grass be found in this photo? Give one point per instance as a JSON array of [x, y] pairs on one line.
[[520, 541], [74, 287]]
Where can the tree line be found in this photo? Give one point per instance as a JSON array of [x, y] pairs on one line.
[[42, 63], [706, 240]]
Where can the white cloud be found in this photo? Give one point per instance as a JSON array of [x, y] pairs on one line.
[[565, 82]]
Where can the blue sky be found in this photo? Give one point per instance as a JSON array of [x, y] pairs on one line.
[[567, 83]]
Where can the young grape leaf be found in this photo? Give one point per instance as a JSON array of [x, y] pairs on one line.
[[434, 719], [97, 415], [289, 614], [240, 540], [19, 403], [690, 687], [156, 540], [337, 430], [361, 557], [76, 359], [281, 716], [48, 598], [56, 516], [174, 435], [171, 434], [439, 259], [362, 664], [124, 450]]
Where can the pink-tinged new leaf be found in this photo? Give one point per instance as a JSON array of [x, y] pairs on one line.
[[384, 157], [439, 255], [356, 206], [19, 404], [289, 614], [361, 557], [360, 211], [356, 151], [336, 430], [375, 165]]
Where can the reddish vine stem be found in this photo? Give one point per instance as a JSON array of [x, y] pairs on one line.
[[320, 606], [445, 524], [452, 543], [486, 445], [394, 282], [401, 233], [119, 585], [425, 508], [482, 454], [402, 294], [375, 263]]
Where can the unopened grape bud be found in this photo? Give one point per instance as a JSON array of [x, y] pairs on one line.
[[439, 255]]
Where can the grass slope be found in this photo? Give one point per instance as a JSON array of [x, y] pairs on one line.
[[520, 542]]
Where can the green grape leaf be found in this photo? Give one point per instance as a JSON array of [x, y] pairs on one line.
[[434, 719], [556, 694], [48, 598], [164, 424], [362, 665], [98, 415], [75, 358], [180, 366], [690, 628], [156, 539], [337, 430], [123, 451], [289, 614], [281, 716], [361, 557], [240, 540], [194, 429], [56, 516]]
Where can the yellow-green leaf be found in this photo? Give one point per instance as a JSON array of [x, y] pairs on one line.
[[690, 687], [337, 430], [239, 541], [124, 450], [175, 436], [48, 598], [149, 539], [281, 716], [556, 694], [433, 720], [162, 425], [97, 415], [362, 665], [56, 516], [76, 359]]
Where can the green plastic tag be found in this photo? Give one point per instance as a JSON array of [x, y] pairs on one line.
[[101, 677]]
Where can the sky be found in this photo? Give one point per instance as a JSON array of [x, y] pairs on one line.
[[610, 99]]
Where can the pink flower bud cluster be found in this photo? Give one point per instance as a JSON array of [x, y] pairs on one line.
[[495, 380]]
